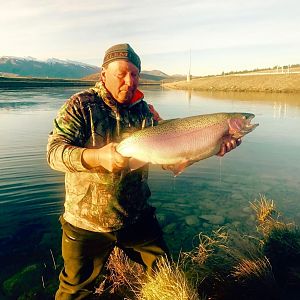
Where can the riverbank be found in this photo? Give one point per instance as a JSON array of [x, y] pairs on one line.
[[25, 82], [274, 83]]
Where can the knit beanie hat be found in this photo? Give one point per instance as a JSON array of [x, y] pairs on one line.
[[121, 51]]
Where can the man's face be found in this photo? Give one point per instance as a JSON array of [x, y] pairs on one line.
[[121, 79]]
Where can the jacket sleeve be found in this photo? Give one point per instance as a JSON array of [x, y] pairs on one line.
[[64, 148]]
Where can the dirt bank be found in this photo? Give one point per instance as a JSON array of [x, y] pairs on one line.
[[277, 83]]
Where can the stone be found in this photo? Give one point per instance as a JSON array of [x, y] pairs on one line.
[[236, 224], [170, 228], [192, 220], [162, 219], [247, 209], [22, 281], [209, 205], [213, 219], [206, 225]]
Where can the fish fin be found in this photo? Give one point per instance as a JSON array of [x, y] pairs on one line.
[[135, 163], [177, 169]]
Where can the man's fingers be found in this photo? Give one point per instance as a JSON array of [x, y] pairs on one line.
[[119, 161], [222, 150], [228, 145]]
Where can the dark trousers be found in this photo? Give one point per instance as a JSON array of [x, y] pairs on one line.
[[85, 253]]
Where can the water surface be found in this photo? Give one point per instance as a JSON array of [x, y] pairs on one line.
[[211, 193]]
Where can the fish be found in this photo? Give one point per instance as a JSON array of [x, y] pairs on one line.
[[178, 143]]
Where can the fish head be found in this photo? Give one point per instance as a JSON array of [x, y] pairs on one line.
[[240, 124]]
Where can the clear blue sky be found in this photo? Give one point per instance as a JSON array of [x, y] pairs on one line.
[[222, 35]]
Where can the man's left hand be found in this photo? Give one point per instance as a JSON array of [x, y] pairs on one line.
[[228, 144]]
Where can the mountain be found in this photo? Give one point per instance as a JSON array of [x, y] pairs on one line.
[[146, 76], [11, 66], [156, 73], [154, 76], [53, 68]]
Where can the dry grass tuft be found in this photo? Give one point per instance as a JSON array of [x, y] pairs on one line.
[[264, 208], [253, 269], [207, 246], [267, 216], [124, 275], [168, 283]]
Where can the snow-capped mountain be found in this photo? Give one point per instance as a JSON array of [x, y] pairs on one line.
[[52, 67]]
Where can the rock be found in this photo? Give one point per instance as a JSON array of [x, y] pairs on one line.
[[209, 205], [22, 281], [192, 220], [170, 228], [206, 225], [213, 219], [247, 209], [162, 219], [236, 224], [180, 200], [252, 218]]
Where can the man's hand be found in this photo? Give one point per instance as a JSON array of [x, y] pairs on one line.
[[107, 157], [228, 144]]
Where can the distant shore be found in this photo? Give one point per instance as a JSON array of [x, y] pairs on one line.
[[274, 83], [25, 82]]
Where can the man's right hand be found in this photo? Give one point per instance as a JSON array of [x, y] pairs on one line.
[[107, 157]]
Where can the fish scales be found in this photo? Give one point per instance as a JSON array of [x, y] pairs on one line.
[[181, 141]]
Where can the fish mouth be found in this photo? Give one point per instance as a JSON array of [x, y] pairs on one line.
[[248, 116], [248, 126], [240, 124]]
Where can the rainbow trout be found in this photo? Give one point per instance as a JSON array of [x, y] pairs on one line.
[[180, 142]]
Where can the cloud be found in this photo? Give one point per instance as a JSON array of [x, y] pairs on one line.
[[82, 30]]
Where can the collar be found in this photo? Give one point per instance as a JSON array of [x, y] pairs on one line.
[[101, 90]]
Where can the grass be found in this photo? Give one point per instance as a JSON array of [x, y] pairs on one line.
[[127, 280], [123, 278], [251, 270], [278, 83], [225, 265], [168, 282], [268, 218]]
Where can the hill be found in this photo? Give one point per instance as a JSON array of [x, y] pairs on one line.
[[30, 67], [276, 82], [52, 68], [147, 77]]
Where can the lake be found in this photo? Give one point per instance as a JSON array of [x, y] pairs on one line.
[[209, 194]]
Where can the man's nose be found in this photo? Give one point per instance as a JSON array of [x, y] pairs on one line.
[[129, 79]]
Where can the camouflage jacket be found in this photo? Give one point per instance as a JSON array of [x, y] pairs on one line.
[[96, 199]]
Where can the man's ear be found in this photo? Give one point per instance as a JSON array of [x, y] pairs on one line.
[[103, 74]]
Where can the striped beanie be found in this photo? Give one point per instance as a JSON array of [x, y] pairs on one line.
[[121, 51]]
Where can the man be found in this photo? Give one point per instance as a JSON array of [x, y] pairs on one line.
[[106, 204]]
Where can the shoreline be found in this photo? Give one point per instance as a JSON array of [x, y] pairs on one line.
[[23, 82], [269, 83]]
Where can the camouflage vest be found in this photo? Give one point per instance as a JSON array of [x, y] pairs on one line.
[[96, 199]]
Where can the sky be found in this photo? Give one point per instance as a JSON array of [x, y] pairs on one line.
[[211, 36]]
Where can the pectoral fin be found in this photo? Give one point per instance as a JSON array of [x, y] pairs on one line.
[[135, 163], [178, 168]]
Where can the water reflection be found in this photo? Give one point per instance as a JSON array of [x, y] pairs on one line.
[[281, 102], [279, 110]]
